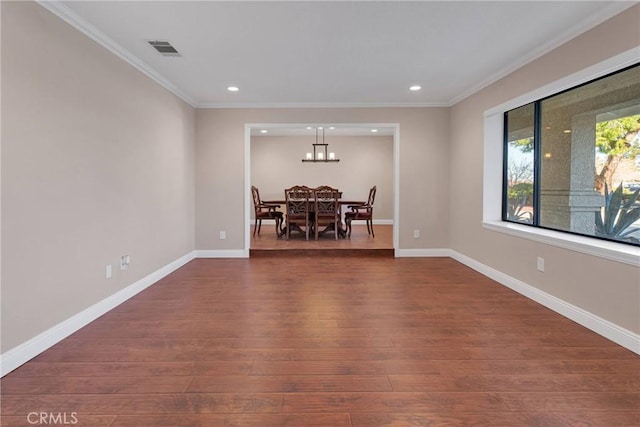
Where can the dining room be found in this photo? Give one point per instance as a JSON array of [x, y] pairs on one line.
[[357, 160]]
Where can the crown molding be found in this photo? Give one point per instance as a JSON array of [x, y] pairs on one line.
[[327, 105], [69, 16], [76, 21], [613, 9]]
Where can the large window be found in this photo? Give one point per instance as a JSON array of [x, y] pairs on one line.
[[572, 160]]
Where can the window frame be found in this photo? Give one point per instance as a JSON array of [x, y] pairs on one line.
[[537, 159], [536, 166], [493, 170]]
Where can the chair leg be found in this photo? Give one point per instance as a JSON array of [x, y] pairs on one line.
[[368, 229], [255, 227], [347, 222], [277, 225], [372, 234]]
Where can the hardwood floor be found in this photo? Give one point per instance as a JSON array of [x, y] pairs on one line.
[[359, 342], [360, 244]]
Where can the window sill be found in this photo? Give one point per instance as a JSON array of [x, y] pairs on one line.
[[601, 248]]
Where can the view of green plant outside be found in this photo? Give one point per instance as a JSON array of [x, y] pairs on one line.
[[582, 173], [618, 178], [520, 180], [520, 164]]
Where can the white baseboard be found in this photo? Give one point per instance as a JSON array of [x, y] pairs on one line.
[[615, 333], [426, 253], [375, 221], [230, 253], [26, 351]]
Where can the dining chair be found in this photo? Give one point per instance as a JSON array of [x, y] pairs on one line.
[[264, 211], [299, 214], [326, 210], [362, 212]]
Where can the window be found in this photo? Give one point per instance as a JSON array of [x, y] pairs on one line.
[[572, 160]]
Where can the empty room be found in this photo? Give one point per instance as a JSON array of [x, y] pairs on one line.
[[308, 213]]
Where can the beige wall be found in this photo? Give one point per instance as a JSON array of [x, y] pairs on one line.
[[365, 161], [608, 289], [97, 162], [423, 175]]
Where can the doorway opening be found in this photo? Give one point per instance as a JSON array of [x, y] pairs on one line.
[[368, 153]]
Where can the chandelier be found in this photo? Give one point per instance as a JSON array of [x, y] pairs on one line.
[[320, 151]]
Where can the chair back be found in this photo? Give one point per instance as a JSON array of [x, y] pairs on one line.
[[326, 201], [297, 198], [362, 212], [256, 197], [326, 209], [298, 209], [372, 196]]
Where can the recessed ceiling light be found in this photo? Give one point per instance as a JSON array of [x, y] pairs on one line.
[[264, 131], [374, 130], [567, 131], [309, 128], [415, 88], [332, 127], [320, 128], [233, 88]]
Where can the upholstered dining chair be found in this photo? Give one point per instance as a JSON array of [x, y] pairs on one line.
[[264, 211], [326, 210], [299, 214], [362, 212]]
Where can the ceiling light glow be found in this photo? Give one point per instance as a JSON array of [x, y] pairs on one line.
[[415, 88], [233, 88]]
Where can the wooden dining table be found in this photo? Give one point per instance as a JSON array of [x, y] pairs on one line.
[[342, 232]]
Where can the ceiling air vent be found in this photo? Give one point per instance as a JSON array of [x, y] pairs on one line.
[[164, 48]]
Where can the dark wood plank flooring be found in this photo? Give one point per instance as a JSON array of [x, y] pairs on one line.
[[360, 243], [329, 342]]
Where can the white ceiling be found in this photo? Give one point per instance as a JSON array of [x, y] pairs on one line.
[[320, 53]]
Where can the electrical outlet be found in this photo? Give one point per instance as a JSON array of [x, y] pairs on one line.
[[540, 264], [223, 235], [416, 234], [124, 262]]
